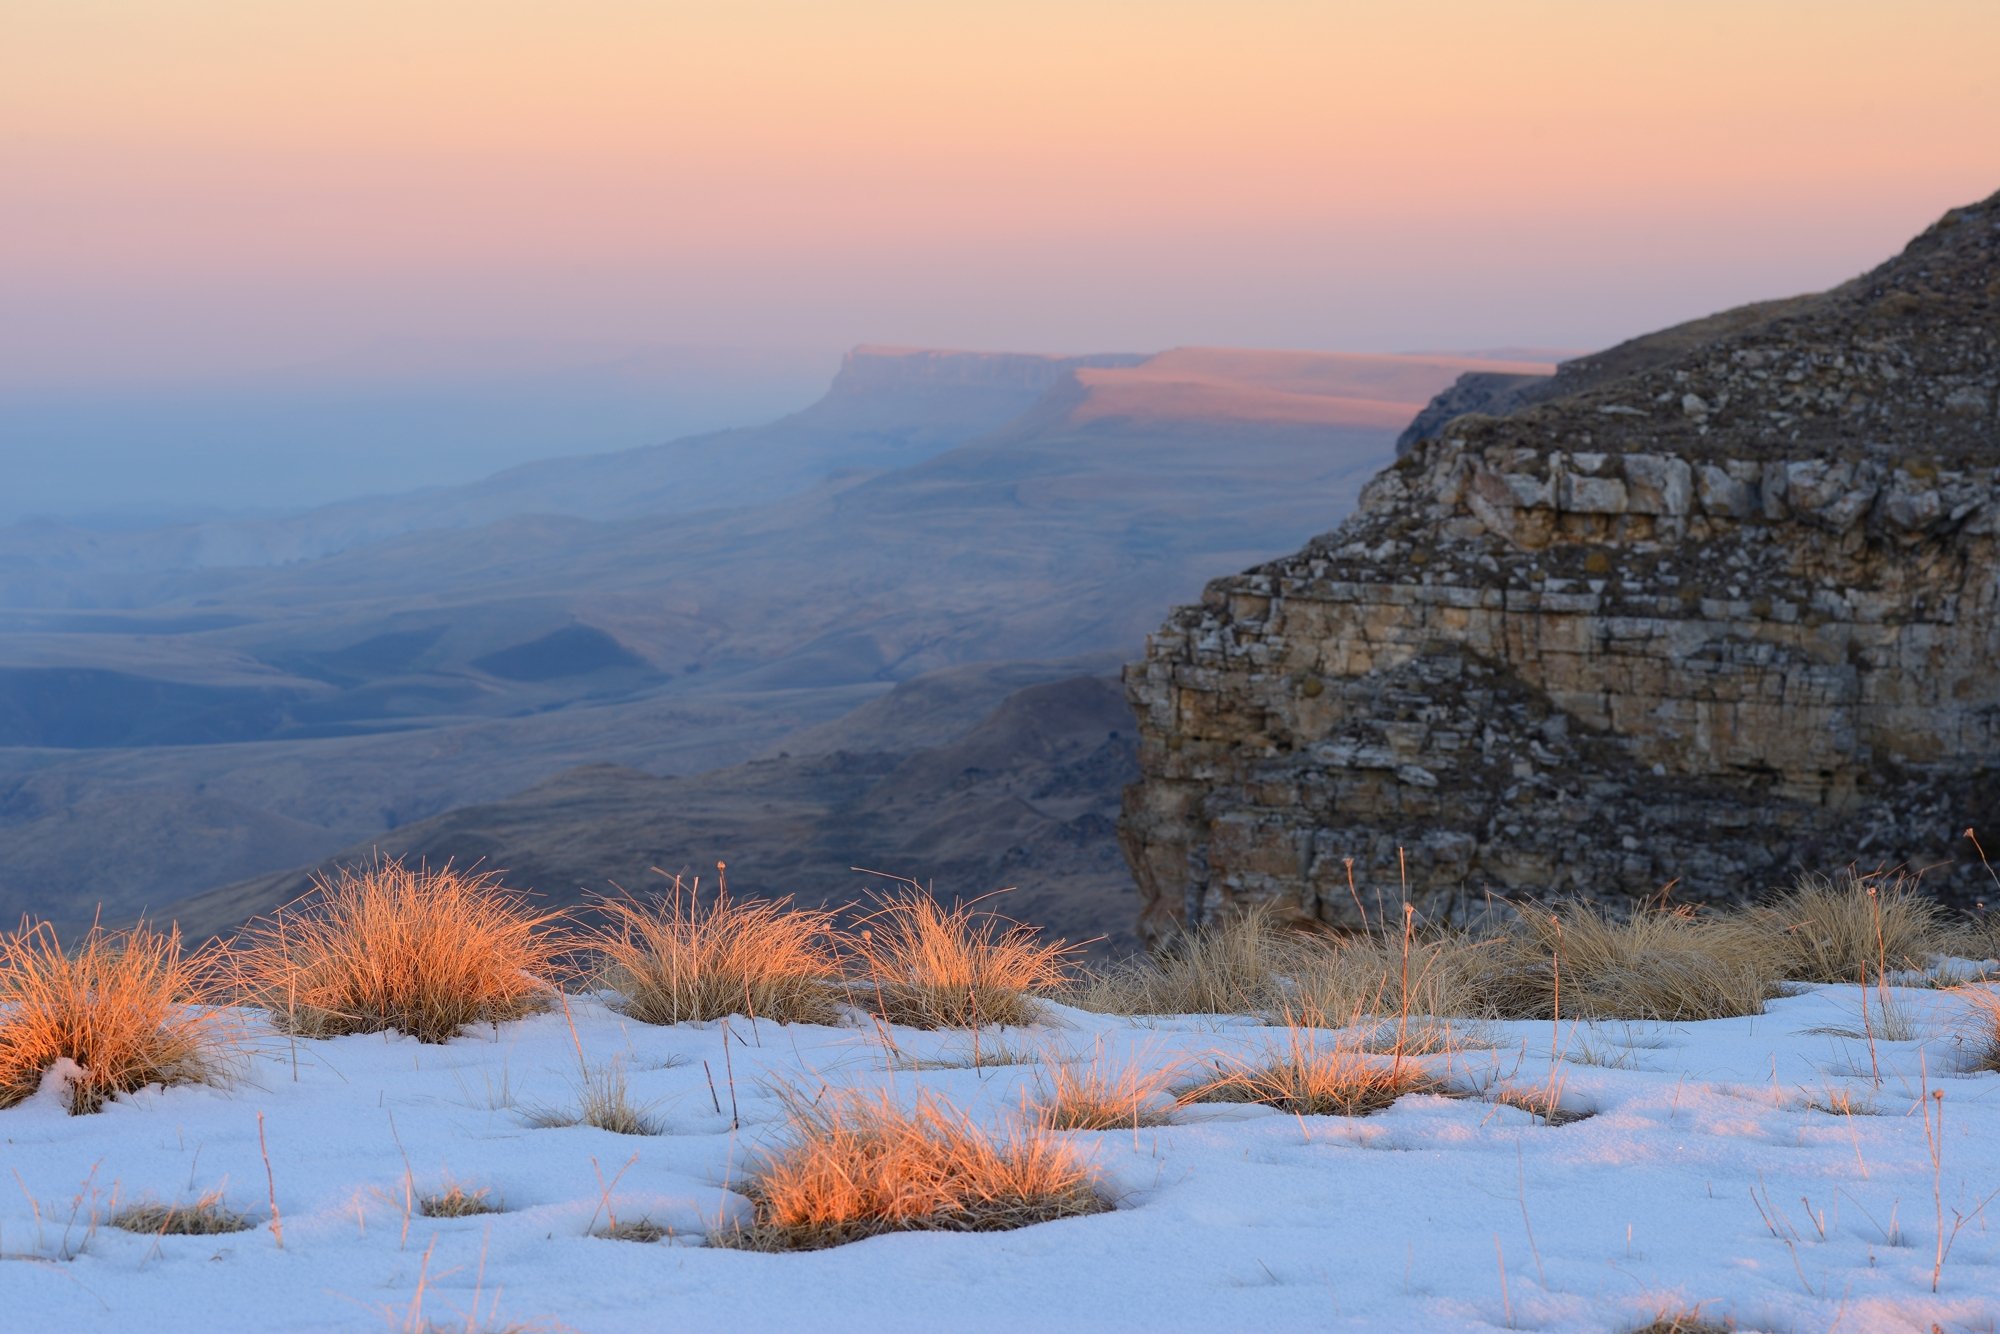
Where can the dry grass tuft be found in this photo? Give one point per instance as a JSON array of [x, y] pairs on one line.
[[1356, 978], [604, 1101], [928, 966], [1308, 1079], [857, 1165], [1580, 962], [1236, 966], [455, 1201], [1685, 1322], [1985, 1012], [1849, 927], [675, 960], [1077, 1095], [1840, 1102], [982, 1056], [120, 1006], [643, 1230], [1544, 1102], [384, 946], [205, 1217]]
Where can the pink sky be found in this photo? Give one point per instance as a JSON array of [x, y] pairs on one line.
[[218, 187]]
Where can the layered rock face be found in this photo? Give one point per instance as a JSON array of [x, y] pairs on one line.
[[1727, 615]]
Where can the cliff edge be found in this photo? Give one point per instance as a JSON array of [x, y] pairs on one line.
[[1710, 616]]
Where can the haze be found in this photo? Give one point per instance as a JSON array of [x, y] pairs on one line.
[[260, 255]]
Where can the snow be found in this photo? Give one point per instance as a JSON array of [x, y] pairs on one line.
[[1702, 1178]]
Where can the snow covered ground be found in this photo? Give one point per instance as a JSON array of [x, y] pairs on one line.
[[1704, 1177]]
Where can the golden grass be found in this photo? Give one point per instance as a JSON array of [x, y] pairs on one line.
[[928, 966], [604, 1101], [1541, 1101], [1849, 927], [858, 1165], [1581, 962], [1236, 966], [1350, 979], [1310, 1078], [204, 1217], [674, 959], [120, 1005], [1080, 1095], [384, 946], [455, 1201]]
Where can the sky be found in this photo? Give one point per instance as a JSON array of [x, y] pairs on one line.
[[370, 194]]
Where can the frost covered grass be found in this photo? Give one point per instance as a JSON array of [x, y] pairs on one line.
[[390, 947], [674, 958], [859, 1164], [926, 965], [113, 1014]]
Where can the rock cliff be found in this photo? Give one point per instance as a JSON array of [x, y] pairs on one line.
[[1717, 612]]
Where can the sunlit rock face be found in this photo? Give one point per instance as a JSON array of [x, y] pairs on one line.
[[1726, 617]]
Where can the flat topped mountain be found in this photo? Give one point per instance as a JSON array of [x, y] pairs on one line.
[[1725, 610]]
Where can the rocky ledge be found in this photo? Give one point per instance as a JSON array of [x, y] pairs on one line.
[[1729, 615]]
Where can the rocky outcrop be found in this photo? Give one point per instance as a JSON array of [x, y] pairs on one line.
[[1497, 394], [1723, 614]]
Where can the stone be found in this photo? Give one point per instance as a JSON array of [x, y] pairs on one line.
[[1708, 649]]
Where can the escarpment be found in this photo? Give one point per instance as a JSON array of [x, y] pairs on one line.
[[1730, 614]]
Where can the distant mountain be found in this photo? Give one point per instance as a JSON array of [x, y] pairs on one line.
[[887, 407], [934, 509]]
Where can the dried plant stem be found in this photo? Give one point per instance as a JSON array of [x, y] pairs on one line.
[[271, 1184]]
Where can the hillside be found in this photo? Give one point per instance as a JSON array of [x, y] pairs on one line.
[[311, 705]]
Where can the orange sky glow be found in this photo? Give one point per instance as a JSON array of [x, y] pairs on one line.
[[219, 186]]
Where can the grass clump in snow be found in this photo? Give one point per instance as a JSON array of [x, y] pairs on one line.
[[858, 1165], [1234, 966], [604, 1101], [455, 1201], [204, 1217], [1310, 1079], [674, 959], [927, 966], [1092, 1095], [643, 1230], [119, 1008], [1849, 927], [1580, 961], [1684, 1322], [384, 946]]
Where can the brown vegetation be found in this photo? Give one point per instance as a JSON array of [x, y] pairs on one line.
[[384, 946], [1579, 961], [1310, 1078], [1077, 1095], [858, 1165], [120, 1005], [1849, 927], [928, 966], [674, 959], [205, 1217]]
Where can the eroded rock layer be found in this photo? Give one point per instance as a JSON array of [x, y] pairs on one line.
[[1731, 615]]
